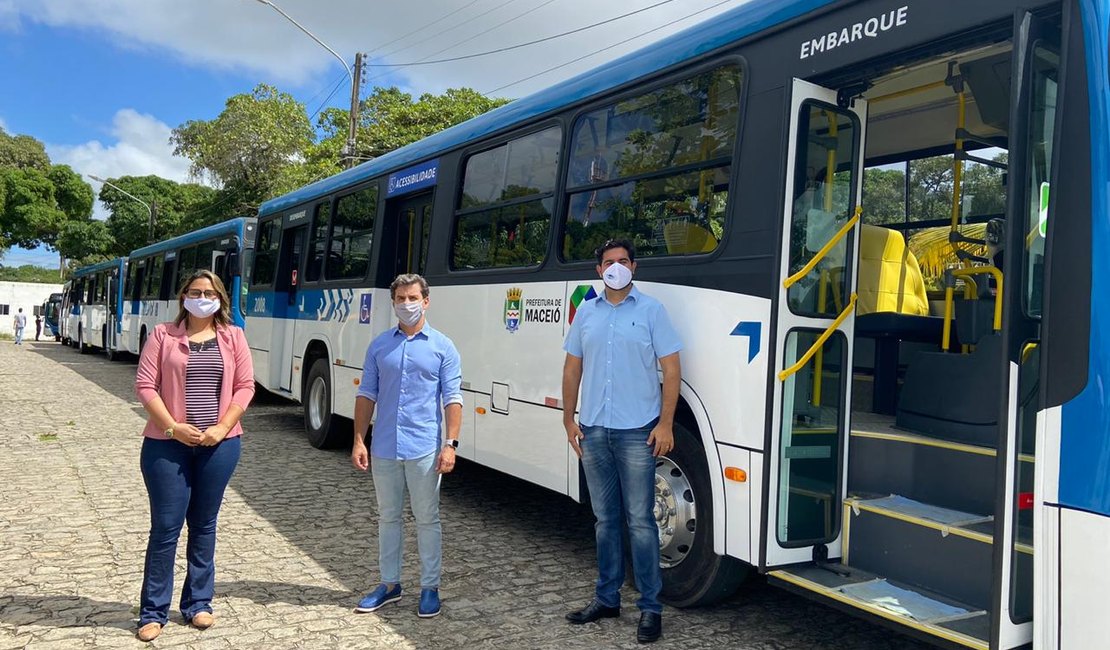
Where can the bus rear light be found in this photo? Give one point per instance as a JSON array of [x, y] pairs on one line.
[[736, 474]]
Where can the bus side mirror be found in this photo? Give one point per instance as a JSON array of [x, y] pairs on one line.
[[232, 264]]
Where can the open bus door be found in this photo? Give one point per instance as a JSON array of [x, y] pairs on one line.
[[814, 333]]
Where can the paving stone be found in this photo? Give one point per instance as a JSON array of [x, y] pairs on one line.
[[297, 539]]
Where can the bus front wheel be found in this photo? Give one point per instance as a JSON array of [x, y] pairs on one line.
[[325, 429], [693, 574], [82, 347]]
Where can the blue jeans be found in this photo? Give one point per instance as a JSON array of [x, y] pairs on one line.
[[620, 472], [419, 476], [185, 484], [19, 336]]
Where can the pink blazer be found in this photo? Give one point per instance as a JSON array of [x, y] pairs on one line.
[[162, 372]]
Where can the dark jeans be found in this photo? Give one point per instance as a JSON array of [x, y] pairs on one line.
[[185, 484], [620, 472]]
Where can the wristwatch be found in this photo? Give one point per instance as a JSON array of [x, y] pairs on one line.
[[453, 443], [169, 431]]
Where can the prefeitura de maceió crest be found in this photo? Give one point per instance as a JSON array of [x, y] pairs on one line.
[[512, 309]]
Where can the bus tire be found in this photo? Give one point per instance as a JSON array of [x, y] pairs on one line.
[[82, 347], [142, 340], [325, 429], [693, 575]]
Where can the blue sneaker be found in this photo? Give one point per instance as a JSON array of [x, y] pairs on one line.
[[379, 598], [429, 603]]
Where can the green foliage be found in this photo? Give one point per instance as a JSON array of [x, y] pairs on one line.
[[23, 152], [31, 215], [391, 119], [29, 273], [87, 242], [248, 146], [884, 192], [178, 208]]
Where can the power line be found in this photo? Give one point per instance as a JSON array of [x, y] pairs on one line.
[[327, 99], [423, 27], [483, 33], [586, 56], [325, 89], [520, 45], [444, 31]]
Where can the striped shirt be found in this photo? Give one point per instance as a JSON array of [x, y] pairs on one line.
[[203, 378]]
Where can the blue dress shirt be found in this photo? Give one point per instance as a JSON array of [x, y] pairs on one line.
[[410, 380], [620, 346]]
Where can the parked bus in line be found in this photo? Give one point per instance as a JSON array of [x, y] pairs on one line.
[[50, 311], [92, 304], [922, 444], [155, 273]]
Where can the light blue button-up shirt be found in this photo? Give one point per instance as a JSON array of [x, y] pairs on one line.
[[620, 346], [411, 380]]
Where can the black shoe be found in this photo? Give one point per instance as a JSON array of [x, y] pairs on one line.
[[593, 612], [650, 627]]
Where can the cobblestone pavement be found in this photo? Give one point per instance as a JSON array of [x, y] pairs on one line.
[[296, 542]]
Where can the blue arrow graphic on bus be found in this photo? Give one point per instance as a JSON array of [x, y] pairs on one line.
[[750, 329]]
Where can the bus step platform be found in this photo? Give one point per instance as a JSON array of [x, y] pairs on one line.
[[909, 609]]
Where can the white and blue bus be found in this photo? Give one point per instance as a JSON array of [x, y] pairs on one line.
[[913, 432], [155, 274], [51, 310], [92, 304]]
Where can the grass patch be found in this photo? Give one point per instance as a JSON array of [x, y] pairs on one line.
[[48, 437]]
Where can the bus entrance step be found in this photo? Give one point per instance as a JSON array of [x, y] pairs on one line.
[[945, 551], [910, 609]]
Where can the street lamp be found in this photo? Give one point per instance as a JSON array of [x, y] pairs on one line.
[[149, 210], [349, 148]]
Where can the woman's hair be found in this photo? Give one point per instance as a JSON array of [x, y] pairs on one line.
[[223, 316]]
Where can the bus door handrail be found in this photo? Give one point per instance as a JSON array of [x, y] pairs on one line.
[[949, 286], [820, 342], [840, 234]]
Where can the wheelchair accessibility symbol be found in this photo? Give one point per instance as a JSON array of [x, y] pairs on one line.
[[364, 309]]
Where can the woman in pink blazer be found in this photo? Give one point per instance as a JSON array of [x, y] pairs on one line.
[[195, 380]]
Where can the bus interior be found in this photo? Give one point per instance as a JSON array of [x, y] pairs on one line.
[[922, 504]]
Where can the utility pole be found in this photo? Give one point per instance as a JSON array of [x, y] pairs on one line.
[[153, 218], [352, 132]]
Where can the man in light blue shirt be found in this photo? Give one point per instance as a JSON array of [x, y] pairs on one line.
[[413, 375], [613, 348]]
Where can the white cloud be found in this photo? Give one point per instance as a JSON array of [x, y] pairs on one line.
[[141, 148], [4, 126], [251, 37]]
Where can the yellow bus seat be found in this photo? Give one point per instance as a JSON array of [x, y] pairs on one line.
[[889, 277], [685, 238]]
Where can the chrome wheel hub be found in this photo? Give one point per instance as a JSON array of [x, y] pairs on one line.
[[675, 512], [317, 403]]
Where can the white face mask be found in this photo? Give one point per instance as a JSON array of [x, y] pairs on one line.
[[617, 276], [409, 313], [202, 307]]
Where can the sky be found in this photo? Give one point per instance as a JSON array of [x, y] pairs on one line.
[[102, 82]]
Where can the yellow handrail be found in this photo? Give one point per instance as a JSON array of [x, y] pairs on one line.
[[946, 333], [820, 342], [788, 282]]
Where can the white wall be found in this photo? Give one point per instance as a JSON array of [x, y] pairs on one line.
[[26, 295]]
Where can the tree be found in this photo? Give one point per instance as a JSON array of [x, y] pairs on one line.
[[884, 193], [86, 242], [28, 273], [179, 209], [390, 119], [23, 152], [247, 147]]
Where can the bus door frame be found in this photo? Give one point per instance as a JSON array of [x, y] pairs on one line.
[[288, 311], [1021, 334], [773, 552]]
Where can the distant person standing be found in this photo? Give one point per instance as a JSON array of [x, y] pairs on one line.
[[625, 423], [19, 324], [413, 376], [38, 326]]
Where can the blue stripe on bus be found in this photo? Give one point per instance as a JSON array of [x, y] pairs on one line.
[[338, 305], [745, 20], [1085, 425]]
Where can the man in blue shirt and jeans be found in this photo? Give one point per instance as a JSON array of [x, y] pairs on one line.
[[414, 375], [626, 420]]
